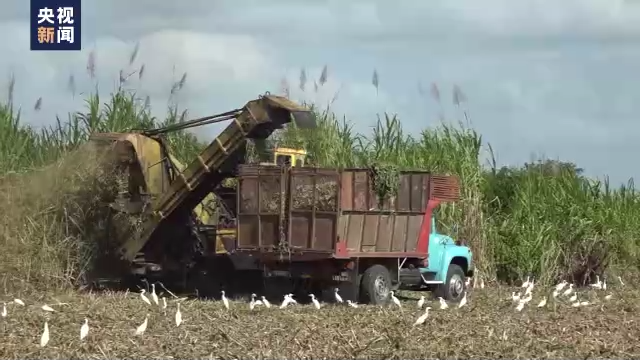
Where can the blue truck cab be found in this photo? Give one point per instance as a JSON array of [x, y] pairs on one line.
[[447, 267]]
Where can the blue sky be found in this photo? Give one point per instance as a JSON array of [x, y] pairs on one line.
[[541, 77]]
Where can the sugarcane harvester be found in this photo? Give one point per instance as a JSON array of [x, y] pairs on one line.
[[178, 227]]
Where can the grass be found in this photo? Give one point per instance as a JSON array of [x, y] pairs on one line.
[[488, 327]]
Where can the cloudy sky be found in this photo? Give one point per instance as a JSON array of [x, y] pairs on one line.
[[541, 77]]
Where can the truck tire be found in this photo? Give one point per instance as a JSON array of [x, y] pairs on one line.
[[375, 286], [453, 288]]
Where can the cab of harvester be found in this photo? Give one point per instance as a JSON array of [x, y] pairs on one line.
[[287, 156]]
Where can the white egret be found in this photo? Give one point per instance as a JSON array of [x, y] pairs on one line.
[[225, 301], [532, 284], [422, 317], [178, 316], [481, 283], [352, 304], [164, 303], [254, 302], [84, 329], [144, 297], [48, 308], [463, 302], [608, 297], [337, 296], [520, 306], [143, 327], [315, 301], [604, 284], [4, 310], [443, 303], [44, 339], [597, 284], [266, 302], [285, 302], [574, 297], [154, 296], [568, 291], [515, 297], [19, 302], [621, 282], [561, 285], [543, 302], [291, 299], [395, 299], [421, 302], [525, 284]]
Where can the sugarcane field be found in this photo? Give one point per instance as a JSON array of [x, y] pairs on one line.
[[163, 201]]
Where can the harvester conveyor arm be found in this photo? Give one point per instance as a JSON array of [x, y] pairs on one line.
[[257, 120]]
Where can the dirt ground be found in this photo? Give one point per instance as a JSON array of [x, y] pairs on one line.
[[488, 327]]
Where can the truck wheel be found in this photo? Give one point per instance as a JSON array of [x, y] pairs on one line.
[[376, 285], [453, 288]]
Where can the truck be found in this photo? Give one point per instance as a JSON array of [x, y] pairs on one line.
[[222, 222], [327, 229]]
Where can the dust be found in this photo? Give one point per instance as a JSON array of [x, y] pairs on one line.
[[55, 221]]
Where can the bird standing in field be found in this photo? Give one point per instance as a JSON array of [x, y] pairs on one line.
[[287, 300], [154, 296], [4, 310], [253, 303], [422, 317], [164, 303], [463, 302], [19, 302], [315, 301], [143, 327], [568, 291], [84, 329], [337, 296], [144, 297], [443, 303], [421, 302], [543, 302], [48, 308], [225, 301], [395, 300], [44, 339], [266, 302], [178, 316]]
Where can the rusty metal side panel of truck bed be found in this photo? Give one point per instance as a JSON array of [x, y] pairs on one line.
[[309, 212], [288, 210]]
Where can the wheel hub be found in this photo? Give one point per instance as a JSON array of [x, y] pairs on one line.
[[456, 286], [381, 287]]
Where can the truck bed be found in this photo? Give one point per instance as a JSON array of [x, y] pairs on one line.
[[316, 213]]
